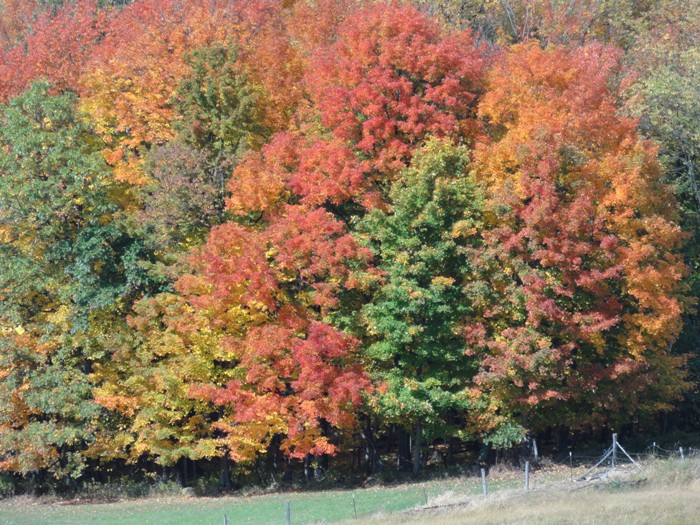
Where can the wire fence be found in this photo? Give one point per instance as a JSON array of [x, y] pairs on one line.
[[585, 468]]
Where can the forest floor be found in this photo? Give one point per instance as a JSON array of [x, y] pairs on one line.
[[663, 492]]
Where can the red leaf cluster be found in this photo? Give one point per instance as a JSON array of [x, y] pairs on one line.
[[58, 49]]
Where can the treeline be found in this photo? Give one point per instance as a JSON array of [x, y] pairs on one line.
[[235, 231]]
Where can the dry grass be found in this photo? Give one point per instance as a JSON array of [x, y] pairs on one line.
[[666, 493]]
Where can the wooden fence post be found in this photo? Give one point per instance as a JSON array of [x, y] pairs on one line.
[[527, 475]]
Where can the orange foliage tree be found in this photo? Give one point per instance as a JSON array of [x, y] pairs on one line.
[[582, 250], [138, 66]]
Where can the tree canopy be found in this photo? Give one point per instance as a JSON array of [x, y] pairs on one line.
[[243, 235]]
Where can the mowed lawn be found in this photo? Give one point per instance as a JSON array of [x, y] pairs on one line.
[[306, 507]]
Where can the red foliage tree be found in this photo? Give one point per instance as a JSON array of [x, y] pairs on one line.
[[296, 374], [391, 79], [57, 49]]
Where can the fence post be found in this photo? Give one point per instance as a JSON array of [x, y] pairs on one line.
[[354, 506], [535, 452], [614, 451], [571, 464], [653, 449], [680, 449], [289, 513], [484, 485], [527, 475], [225, 520]]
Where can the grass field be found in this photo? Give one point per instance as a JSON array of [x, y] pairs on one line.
[[664, 493], [669, 494], [669, 506], [307, 507]]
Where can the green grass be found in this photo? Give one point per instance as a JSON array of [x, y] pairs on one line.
[[307, 507]]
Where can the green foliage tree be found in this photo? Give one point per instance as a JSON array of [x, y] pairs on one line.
[[217, 104], [218, 120], [67, 270]]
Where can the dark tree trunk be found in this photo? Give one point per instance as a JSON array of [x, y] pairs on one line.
[[404, 449], [307, 466], [370, 447], [225, 472], [562, 438], [484, 454], [181, 472], [321, 461], [416, 448]]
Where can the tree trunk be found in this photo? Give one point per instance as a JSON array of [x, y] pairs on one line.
[[225, 472], [535, 451], [321, 461], [484, 454], [370, 447], [181, 472], [404, 449], [307, 465], [416, 449], [449, 457], [562, 438], [195, 472]]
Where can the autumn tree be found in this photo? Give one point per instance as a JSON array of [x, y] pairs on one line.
[[297, 377], [585, 292], [664, 96], [56, 48], [392, 78], [145, 55], [146, 386]]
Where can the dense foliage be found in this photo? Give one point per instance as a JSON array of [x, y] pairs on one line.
[[242, 234]]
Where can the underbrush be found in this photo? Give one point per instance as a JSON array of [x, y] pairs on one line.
[[117, 491]]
